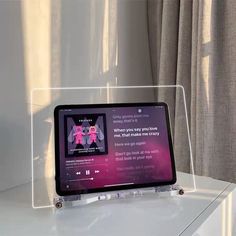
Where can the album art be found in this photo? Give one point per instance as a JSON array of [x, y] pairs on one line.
[[85, 135]]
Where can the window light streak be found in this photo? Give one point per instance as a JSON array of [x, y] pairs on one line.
[[105, 38], [36, 18], [37, 32], [229, 215], [223, 221], [110, 36], [206, 24], [113, 34], [206, 40], [205, 77]]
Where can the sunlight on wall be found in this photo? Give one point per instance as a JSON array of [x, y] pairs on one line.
[[206, 31], [223, 220], [113, 34], [42, 67], [110, 36], [206, 39], [229, 216], [105, 38], [205, 76], [226, 220], [103, 46], [36, 18]]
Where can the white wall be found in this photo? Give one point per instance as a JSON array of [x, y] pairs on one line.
[[62, 43]]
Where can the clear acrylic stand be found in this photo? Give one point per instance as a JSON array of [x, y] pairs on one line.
[[80, 200], [43, 102]]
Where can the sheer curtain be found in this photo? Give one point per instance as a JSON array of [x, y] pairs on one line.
[[193, 43]]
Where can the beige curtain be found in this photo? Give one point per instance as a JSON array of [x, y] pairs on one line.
[[193, 43]]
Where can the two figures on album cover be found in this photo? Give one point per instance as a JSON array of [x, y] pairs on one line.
[[85, 135]]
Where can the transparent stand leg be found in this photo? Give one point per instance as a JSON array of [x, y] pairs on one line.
[[78, 200]]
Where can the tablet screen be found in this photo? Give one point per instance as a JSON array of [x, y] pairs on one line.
[[111, 147]]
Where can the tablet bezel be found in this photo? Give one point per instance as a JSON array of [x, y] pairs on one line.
[[113, 188]]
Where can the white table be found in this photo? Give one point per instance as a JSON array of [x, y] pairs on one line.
[[211, 210]]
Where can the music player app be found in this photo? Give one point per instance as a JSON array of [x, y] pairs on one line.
[[113, 146]]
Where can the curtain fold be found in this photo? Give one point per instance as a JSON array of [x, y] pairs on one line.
[[193, 43]]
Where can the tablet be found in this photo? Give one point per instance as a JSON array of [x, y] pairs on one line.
[[106, 147]]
